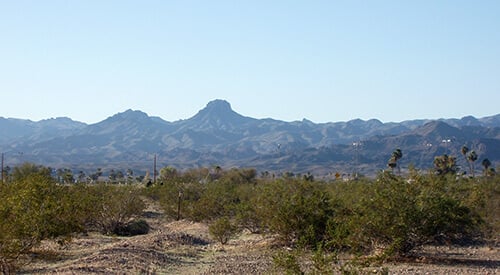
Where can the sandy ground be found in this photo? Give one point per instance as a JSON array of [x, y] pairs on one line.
[[183, 247]]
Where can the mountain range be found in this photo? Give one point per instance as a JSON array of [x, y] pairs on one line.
[[217, 135]]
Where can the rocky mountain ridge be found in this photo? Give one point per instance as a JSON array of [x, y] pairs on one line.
[[217, 135]]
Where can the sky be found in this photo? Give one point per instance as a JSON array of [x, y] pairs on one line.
[[325, 61]]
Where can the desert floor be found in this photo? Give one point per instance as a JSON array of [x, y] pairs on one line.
[[183, 247]]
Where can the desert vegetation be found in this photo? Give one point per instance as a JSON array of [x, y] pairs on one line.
[[34, 207], [379, 219], [386, 218]]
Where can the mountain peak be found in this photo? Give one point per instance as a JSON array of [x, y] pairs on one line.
[[218, 114], [128, 115], [61, 123], [217, 108], [219, 105], [437, 128]]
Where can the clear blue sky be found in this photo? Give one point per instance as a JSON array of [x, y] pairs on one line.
[[320, 60]]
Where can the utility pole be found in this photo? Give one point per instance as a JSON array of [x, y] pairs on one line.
[[154, 171], [179, 205], [356, 145]]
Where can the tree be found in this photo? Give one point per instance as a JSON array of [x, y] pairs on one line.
[[96, 175], [488, 170], [19, 173], [112, 175], [168, 173], [486, 163], [393, 161], [464, 151], [130, 175], [65, 175], [472, 157], [445, 165], [119, 175], [81, 176]]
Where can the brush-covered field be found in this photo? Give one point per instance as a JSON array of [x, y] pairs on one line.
[[210, 221]]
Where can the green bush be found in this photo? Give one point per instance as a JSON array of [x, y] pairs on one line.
[[387, 216], [33, 208], [202, 195], [222, 230], [489, 190], [393, 216], [287, 262], [111, 207], [297, 210], [170, 194], [216, 201]]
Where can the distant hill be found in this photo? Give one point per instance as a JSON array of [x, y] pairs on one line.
[[217, 135]]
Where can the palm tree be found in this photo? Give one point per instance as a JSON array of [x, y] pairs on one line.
[[393, 161], [445, 164], [472, 157], [397, 154], [81, 176], [486, 164], [464, 150]]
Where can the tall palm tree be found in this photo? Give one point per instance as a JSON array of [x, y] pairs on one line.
[[472, 157], [486, 164], [464, 150], [393, 161]]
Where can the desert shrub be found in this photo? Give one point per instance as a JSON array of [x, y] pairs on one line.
[[384, 219], [446, 221], [170, 194], [28, 170], [244, 210], [33, 208], [203, 195], [239, 176], [223, 196], [133, 228], [222, 230], [112, 206], [216, 201], [287, 262], [481, 195], [389, 215], [451, 210], [297, 210], [490, 192], [324, 261], [247, 217], [396, 216]]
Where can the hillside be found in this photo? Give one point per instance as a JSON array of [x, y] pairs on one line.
[[217, 135]]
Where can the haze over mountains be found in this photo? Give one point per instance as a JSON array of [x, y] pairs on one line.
[[217, 135]]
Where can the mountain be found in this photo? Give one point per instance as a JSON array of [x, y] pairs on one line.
[[217, 116], [219, 135], [12, 129]]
